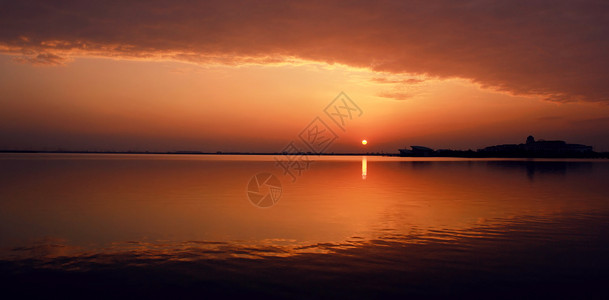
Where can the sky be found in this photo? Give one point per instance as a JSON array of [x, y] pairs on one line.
[[252, 76]]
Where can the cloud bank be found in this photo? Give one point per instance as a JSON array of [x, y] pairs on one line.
[[557, 49]]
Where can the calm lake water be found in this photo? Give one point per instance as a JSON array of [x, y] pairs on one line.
[[357, 227]]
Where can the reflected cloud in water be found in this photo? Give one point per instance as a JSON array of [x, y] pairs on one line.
[[411, 219]]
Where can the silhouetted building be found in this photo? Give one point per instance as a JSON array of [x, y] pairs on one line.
[[531, 148], [539, 148], [417, 151]]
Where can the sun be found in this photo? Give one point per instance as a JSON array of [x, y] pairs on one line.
[[364, 142]]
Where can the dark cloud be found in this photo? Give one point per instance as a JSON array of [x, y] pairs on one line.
[[558, 49]]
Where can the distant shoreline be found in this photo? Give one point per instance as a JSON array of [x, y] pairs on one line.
[[454, 154], [194, 153]]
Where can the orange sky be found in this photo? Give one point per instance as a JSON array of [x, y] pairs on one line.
[[250, 77]]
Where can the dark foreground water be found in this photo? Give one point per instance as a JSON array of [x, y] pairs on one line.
[[350, 227]]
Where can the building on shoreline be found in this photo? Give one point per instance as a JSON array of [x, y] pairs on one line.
[[531, 148], [417, 151], [538, 148]]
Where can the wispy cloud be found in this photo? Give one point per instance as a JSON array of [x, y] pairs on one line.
[[397, 81], [47, 59], [557, 49], [395, 95]]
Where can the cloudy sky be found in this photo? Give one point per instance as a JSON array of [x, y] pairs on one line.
[[252, 75]]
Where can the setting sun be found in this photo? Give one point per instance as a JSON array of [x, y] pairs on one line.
[[364, 142]]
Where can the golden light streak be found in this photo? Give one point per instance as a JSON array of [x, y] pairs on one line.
[[364, 167]]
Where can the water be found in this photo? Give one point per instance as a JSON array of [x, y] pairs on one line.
[[183, 225]]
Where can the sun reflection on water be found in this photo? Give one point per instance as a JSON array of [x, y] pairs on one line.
[[364, 167]]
